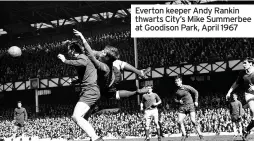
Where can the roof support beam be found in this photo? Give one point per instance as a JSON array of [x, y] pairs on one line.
[[68, 14], [45, 19]]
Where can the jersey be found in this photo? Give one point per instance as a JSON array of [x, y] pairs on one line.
[[87, 73], [149, 99], [117, 78], [20, 115], [184, 93], [235, 108], [105, 76], [245, 80], [118, 66]]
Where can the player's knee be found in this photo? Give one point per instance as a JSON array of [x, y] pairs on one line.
[[117, 95], [180, 122]]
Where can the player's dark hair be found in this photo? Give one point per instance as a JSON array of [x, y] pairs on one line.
[[18, 101], [178, 77], [112, 53], [233, 95], [76, 47], [249, 59]]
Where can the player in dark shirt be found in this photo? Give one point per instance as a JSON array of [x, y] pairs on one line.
[[108, 74], [149, 103], [90, 92], [236, 112], [186, 105], [246, 79], [20, 116]]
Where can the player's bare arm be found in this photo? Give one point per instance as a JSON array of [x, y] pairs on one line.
[[233, 87], [90, 53]]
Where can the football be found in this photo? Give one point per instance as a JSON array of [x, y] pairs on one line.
[[15, 51]]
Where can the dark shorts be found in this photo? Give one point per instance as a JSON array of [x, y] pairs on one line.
[[90, 96], [110, 93], [186, 109], [19, 124], [235, 118]]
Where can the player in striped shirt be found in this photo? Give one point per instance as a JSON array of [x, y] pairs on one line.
[[236, 112], [186, 105], [149, 103], [246, 79]]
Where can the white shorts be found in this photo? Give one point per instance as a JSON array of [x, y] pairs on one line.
[[151, 113], [249, 97]]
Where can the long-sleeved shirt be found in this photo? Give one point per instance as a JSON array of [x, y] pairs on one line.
[[104, 71], [246, 80], [184, 93], [87, 72], [149, 100], [236, 108], [20, 115]]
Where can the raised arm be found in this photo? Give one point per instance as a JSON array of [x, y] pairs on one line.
[[235, 85], [90, 53], [232, 88]]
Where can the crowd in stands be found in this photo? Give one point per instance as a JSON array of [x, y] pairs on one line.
[[39, 59], [55, 120]]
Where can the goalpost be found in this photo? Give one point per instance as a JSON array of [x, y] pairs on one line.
[[136, 66]]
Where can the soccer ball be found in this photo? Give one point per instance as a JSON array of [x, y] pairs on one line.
[[15, 51]]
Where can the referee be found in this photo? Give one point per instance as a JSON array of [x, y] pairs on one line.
[[20, 116]]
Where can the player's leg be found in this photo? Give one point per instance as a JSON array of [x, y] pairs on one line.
[[194, 122], [234, 128], [148, 121], [125, 93], [22, 129], [156, 120], [160, 125], [249, 99], [240, 128], [131, 68], [80, 110], [15, 129], [181, 117]]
